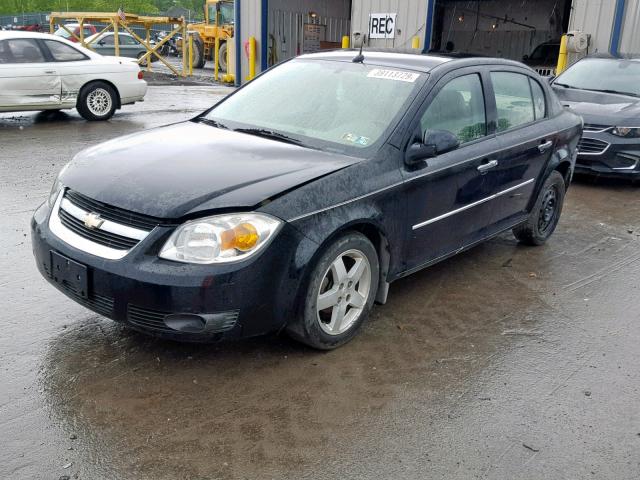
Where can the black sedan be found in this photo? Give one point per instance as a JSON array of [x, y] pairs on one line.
[[296, 201], [605, 91]]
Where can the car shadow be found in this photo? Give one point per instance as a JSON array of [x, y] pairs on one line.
[[232, 409]]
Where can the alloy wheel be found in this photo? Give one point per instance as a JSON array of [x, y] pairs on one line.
[[344, 292], [99, 102]]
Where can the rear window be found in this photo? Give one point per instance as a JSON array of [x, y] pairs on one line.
[[64, 53]]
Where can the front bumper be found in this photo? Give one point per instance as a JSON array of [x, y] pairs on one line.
[[165, 298], [607, 155]]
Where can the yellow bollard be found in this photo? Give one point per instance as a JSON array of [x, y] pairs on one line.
[[216, 58], [190, 55], [252, 58], [345, 41], [415, 43], [562, 56]]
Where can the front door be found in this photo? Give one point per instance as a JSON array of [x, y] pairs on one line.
[[445, 197], [27, 81]]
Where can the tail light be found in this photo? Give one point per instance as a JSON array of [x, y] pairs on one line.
[[140, 75]]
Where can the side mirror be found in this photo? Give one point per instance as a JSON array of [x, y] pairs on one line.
[[434, 142], [525, 58], [100, 42]]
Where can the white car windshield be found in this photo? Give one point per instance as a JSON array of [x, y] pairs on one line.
[[323, 103]]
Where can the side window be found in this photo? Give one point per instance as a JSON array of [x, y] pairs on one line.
[[25, 50], [539, 104], [5, 53], [513, 99], [87, 32], [127, 40], [64, 53], [106, 40], [458, 108]]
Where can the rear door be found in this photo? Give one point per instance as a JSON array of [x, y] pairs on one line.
[[27, 80], [527, 138], [446, 195]]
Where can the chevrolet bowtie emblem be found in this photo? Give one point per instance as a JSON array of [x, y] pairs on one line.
[[93, 220]]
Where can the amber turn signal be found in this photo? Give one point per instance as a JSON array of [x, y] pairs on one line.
[[242, 237]]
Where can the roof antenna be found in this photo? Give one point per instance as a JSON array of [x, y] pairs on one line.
[[359, 58]]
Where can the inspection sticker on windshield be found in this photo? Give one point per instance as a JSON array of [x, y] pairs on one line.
[[397, 75]]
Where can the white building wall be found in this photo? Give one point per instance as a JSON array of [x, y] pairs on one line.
[[250, 26], [410, 21], [594, 17], [630, 41]]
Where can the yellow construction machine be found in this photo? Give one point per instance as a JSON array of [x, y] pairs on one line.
[[218, 22]]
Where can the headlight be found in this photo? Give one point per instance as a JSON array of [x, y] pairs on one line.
[[627, 132], [221, 238], [53, 195]]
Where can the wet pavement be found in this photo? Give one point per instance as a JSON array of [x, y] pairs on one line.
[[505, 362]]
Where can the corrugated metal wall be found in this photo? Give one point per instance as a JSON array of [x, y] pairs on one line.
[[630, 42], [251, 25], [411, 20], [286, 24], [594, 17]]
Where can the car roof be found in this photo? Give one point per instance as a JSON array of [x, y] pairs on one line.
[[411, 61], [6, 34]]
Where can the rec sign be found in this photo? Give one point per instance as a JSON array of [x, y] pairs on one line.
[[382, 25]]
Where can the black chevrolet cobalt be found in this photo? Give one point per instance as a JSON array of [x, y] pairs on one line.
[[295, 202]]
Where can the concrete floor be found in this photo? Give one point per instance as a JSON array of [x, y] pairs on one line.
[[505, 362]]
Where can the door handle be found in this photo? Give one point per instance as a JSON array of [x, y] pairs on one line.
[[543, 147], [50, 72], [483, 167]]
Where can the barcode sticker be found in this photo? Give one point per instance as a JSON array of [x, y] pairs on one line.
[[397, 75]]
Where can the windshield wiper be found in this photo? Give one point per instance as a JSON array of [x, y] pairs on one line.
[[563, 85], [262, 132], [616, 92], [213, 123]]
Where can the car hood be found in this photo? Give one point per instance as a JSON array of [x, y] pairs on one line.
[[178, 170], [600, 108]]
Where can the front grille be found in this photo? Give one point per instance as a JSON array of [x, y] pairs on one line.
[[98, 303], [101, 237], [109, 212], [591, 146], [545, 71], [592, 127], [146, 318]]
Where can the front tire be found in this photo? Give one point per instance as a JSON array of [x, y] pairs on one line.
[[545, 214], [339, 293], [97, 102]]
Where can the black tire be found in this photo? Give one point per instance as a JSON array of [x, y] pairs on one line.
[[545, 214], [199, 60], [97, 101], [222, 57], [311, 326]]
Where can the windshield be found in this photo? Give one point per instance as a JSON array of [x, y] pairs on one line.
[[546, 53], [61, 32], [602, 74], [323, 104]]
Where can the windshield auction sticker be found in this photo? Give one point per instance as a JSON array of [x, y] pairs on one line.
[[397, 75]]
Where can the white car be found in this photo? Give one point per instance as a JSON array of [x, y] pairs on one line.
[[46, 72]]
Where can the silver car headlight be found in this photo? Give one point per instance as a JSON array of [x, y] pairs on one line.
[[626, 132], [220, 238]]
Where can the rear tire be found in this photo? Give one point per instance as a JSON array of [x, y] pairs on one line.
[[545, 214], [339, 293], [97, 102], [222, 57]]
